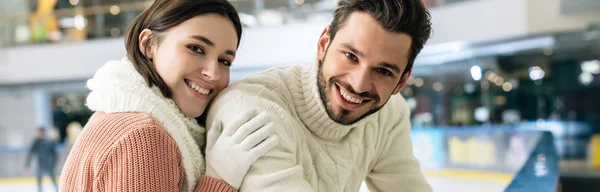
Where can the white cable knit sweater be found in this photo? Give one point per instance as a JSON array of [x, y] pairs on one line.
[[316, 153]]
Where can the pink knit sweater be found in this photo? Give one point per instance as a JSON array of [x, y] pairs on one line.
[[128, 152]]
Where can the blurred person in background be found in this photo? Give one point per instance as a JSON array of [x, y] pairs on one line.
[[144, 135], [45, 149], [342, 122]]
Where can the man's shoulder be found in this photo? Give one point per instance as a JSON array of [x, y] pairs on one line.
[[395, 112], [397, 105], [271, 85], [272, 77], [265, 92]]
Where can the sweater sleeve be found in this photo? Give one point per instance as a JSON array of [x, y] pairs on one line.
[[278, 169], [209, 184], [396, 168], [143, 159]]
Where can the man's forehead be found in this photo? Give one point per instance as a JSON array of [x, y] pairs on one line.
[[364, 32], [375, 52]]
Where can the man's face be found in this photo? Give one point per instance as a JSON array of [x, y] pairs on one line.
[[360, 68]]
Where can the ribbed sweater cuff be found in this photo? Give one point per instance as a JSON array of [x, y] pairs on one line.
[[209, 184]]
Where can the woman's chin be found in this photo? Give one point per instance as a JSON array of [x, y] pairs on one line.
[[193, 113]]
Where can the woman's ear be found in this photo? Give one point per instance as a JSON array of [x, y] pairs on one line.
[[146, 43]]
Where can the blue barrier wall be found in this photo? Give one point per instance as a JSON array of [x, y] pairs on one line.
[[540, 172]]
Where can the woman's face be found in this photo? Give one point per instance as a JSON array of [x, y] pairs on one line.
[[193, 59]]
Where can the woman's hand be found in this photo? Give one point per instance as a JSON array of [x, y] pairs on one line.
[[231, 151]]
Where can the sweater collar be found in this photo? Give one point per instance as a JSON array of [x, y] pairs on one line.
[[311, 109]]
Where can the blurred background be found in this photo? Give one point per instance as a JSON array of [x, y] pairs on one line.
[[503, 96]]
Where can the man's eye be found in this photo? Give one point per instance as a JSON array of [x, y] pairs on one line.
[[351, 56], [384, 72]]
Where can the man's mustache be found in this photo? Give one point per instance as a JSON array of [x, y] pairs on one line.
[[348, 88]]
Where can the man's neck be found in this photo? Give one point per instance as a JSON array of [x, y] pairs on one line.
[[311, 109]]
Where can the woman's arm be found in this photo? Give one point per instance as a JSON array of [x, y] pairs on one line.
[[143, 159]]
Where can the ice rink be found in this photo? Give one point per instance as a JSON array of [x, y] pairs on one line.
[[439, 184]]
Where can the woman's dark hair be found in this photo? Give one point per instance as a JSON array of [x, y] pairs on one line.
[[163, 15]]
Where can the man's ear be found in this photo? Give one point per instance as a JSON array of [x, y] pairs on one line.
[[323, 43], [402, 82]]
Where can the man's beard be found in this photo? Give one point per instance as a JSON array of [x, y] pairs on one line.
[[344, 116]]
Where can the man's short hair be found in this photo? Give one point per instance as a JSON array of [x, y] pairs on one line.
[[401, 16]]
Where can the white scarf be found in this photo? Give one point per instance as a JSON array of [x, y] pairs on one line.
[[118, 87]]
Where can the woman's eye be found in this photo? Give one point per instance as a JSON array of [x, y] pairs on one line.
[[225, 62], [196, 49]]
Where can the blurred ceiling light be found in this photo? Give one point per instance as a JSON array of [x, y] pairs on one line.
[[499, 81], [507, 87], [74, 2], [586, 78], [491, 76], [437, 86], [476, 73], [487, 74], [482, 114], [536, 73], [115, 32], [469, 88], [419, 82], [547, 51], [61, 101], [115, 10], [79, 22], [592, 67], [411, 80], [299, 2]]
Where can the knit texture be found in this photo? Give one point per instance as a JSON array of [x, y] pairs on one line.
[[118, 87], [209, 184], [316, 153], [128, 152]]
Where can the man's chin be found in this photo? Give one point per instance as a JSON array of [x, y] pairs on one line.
[[345, 117]]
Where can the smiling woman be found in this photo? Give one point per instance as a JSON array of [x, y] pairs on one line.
[[164, 33], [144, 132], [192, 63]]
